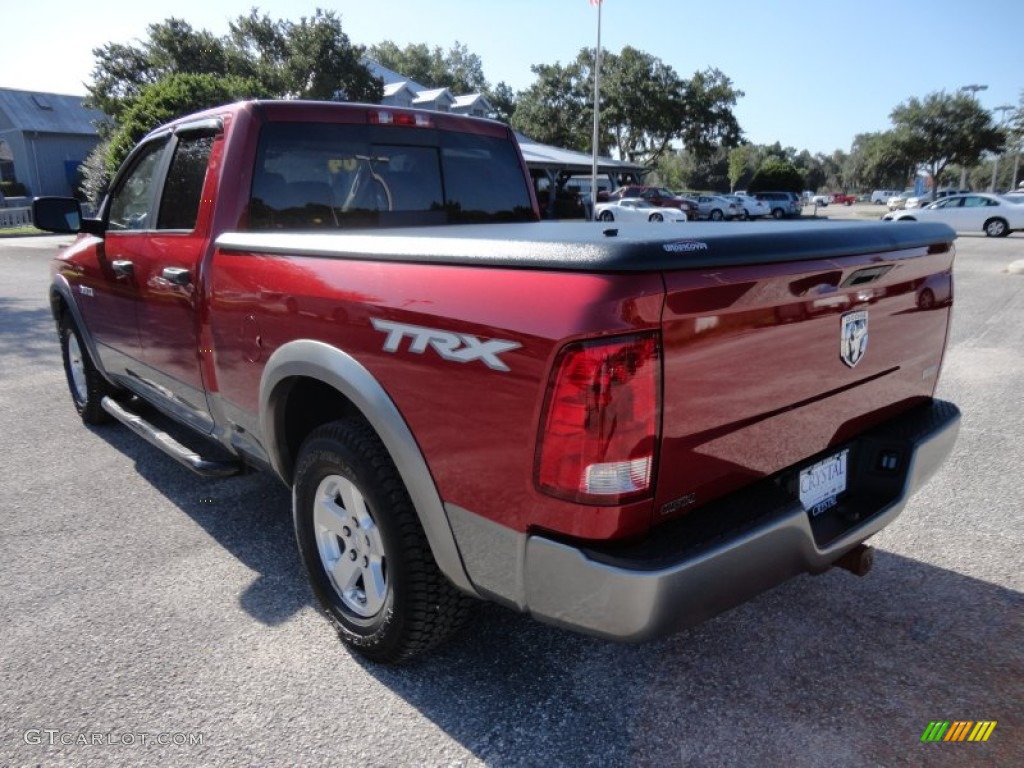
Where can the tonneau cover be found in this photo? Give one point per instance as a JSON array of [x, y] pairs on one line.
[[602, 246]]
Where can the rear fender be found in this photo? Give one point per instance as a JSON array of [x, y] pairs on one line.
[[339, 370]]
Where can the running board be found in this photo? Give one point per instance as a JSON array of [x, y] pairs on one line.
[[170, 446]]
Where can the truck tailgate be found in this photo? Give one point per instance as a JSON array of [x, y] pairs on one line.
[[758, 377]]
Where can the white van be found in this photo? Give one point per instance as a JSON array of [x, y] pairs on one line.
[[881, 196]]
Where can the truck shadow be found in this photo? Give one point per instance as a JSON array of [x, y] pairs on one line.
[[249, 515], [27, 333], [822, 670], [779, 681]]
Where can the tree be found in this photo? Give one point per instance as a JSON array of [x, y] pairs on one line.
[[555, 109], [708, 121], [945, 128], [172, 97], [645, 106], [456, 69], [503, 99], [776, 174], [642, 103], [740, 165], [878, 161], [312, 58]]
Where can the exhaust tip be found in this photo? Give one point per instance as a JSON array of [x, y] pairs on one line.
[[858, 560]]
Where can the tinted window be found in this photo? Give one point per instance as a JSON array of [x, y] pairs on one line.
[[322, 176], [179, 206], [131, 200]]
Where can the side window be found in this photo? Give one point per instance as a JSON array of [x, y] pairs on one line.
[[130, 202], [179, 206]]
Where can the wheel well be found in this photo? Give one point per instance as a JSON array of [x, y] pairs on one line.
[[305, 405]]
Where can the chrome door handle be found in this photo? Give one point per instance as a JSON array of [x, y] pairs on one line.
[[176, 275], [122, 268]]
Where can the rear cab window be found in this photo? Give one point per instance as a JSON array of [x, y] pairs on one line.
[[315, 176]]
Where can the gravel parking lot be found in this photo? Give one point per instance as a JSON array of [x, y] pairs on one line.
[[151, 617]]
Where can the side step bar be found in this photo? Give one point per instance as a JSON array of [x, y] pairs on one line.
[[170, 446]]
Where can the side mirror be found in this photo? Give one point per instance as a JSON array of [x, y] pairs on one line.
[[57, 214]]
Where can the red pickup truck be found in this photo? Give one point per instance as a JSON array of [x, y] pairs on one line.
[[619, 430]]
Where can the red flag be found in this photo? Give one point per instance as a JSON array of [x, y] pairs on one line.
[[595, 2]]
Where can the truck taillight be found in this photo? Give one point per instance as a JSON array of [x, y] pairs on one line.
[[599, 429], [410, 119]]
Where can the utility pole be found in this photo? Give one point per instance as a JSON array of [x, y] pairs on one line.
[[973, 90], [1004, 108]]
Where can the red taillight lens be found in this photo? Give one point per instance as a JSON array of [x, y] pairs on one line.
[[600, 425]]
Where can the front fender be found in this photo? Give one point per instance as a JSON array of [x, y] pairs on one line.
[[62, 298]]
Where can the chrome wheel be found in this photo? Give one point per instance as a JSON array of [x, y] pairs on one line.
[[76, 370], [350, 546]]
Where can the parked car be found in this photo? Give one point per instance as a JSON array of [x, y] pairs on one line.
[[717, 208], [841, 198], [637, 209], [919, 201], [659, 196], [752, 207], [976, 212], [782, 204], [899, 202], [881, 196], [821, 201]]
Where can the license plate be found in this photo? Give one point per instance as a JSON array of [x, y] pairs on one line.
[[821, 483]]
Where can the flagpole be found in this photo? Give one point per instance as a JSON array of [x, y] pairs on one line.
[[597, 114]]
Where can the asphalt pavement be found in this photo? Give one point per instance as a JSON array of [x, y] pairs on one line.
[[154, 618]]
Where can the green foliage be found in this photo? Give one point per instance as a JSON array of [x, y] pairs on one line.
[[556, 108], [172, 97], [177, 70], [503, 99], [456, 69], [645, 106], [878, 160], [95, 175], [945, 128], [312, 58], [741, 166], [778, 175]]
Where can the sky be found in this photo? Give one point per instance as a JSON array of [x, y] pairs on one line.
[[814, 74]]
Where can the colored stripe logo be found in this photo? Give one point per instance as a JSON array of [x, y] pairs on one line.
[[958, 730]]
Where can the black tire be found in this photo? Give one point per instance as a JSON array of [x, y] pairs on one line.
[[404, 606], [86, 385], [656, 217], [926, 299], [778, 213], [606, 216], [716, 215], [996, 228]]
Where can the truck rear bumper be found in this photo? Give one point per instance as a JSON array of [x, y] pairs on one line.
[[726, 553]]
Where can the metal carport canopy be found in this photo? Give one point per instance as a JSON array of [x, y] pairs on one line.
[[550, 158]]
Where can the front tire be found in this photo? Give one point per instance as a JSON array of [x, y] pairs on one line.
[[606, 216], [656, 217], [778, 213], [716, 215], [366, 555], [85, 382], [997, 228]]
